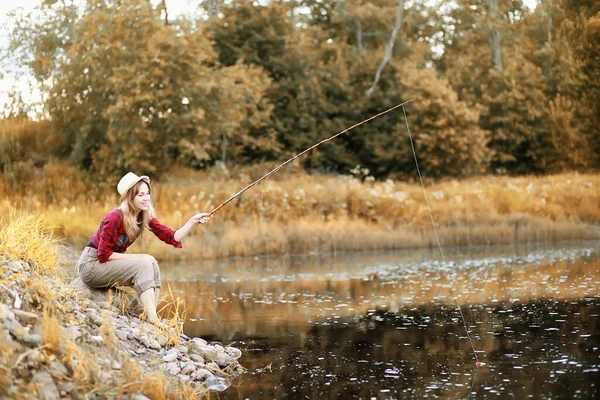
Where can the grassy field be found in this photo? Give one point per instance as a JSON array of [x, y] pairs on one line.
[[293, 212]]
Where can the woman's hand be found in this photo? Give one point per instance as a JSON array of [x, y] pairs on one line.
[[200, 218]]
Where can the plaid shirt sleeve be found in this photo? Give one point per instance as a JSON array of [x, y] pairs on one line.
[[164, 233], [107, 234]]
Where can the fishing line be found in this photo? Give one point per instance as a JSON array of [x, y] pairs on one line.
[[210, 214], [412, 145]]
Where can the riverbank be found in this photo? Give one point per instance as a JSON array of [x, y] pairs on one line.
[[59, 341], [296, 213]]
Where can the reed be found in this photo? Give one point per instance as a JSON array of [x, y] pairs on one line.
[[293, 212]]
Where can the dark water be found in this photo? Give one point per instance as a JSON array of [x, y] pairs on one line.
[[387, 326]]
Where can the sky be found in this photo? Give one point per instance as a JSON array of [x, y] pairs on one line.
[[27, 85]]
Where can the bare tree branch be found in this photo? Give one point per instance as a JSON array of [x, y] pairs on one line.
[[388, 47], [358, 35], [164, 4]]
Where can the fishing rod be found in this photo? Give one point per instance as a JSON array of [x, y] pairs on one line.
[[304, 152]]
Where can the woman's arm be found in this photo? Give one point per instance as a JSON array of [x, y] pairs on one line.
[[182, 232]]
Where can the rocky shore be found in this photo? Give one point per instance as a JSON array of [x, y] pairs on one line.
[[61, 340]]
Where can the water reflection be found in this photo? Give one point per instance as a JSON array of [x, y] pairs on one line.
[[388, 327]]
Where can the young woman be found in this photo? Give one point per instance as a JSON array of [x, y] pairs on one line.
[[104, 262]]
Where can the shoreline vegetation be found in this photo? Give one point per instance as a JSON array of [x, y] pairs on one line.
[[296, 213], [59, 340]]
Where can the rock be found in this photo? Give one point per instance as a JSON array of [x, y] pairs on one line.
[[58, 369], [201, 374], [222, 359], [25, 317], [212, 365], [184, 378], [15, 328], [197, 357], [115, 365], [66, 387], [93, 306], [215, 383], [200, 341], [170, 357], [72, 332], [141, 350], [139, 396], [121, 299], [173, 370], [188, 368], [233, 352], [182, 349], [47, 388], [162, 339], [154, 344], [5, 313], [123, 335], [36, 357], [15, 266], [96, 339], [32, 340]]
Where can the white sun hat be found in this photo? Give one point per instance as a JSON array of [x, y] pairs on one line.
[[129, 180]]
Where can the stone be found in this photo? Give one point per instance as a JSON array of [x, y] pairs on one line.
[[201, 374], [15, 266], [72, 332], [170, 357], [32, 340], [162, 339], [197, 357], [233, 352], [96, 339], [222, 359], [57, 368], [5, 313], [121, 299], [182, 349], [26, 317], [199, 341], [115, 365], [212, 365], [184, 378], [215, 383], [141, 350], [154, 344], [123, 335], [66, 387], [47, 387], [188, 368], [139, 396]]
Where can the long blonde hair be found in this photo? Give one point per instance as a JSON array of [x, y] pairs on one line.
[[134, 221]]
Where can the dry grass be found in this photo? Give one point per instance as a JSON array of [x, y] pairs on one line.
[[52, 335], [172, 311], [329, 213], [25, 237]]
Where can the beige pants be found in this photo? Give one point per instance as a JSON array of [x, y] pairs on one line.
[[139, 273]]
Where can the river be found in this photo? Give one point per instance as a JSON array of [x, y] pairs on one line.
[[394, 325]]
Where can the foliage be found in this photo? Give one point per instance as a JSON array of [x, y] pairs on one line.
[[126, 88]]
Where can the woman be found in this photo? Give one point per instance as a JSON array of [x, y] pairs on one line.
[[104, 262]]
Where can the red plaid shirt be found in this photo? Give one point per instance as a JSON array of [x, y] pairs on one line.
[[111, 236]]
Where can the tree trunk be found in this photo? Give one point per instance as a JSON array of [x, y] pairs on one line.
[[389, 46], [224, 148], [358, 35], [164, 4], [496, 35]]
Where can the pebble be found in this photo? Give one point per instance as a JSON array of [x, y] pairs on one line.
[[97, 339], [197, 357], [123, 335], [170, 357]]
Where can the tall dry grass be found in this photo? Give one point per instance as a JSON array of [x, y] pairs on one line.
[[294, 212]]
